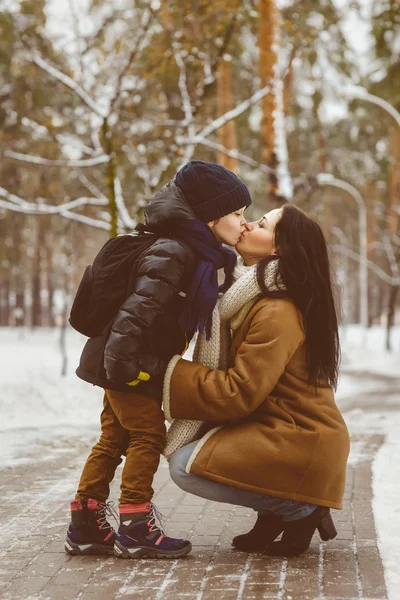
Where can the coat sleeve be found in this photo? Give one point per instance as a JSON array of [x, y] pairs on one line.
[[197, 392], [159, 278]]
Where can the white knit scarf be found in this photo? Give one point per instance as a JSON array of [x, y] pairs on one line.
[[229, 313]]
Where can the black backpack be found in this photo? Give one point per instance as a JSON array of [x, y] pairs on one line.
[[106, 283]]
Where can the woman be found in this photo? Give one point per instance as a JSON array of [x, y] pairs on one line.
[[282, 445]]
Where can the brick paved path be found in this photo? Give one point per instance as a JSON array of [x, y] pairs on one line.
[[34, 507]]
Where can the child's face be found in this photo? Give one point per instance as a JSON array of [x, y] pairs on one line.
[[229, 229]]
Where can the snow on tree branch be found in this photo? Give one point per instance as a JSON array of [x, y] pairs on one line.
[[66, 214], [14, 207], [363, 94], [161, 123], [234, 154], [70, 140], [396, 239], [328, 179], [139, 162], [371, 265], [210, 68], [38, 160], [43, 208], [141, 43], [91, 187], [70, 83], [283, 173], [187, 107], [94, 135], [391, 256], [234, 113], [86, 220], [126, 219]]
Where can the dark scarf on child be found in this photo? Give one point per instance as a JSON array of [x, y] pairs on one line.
[[203, 292]]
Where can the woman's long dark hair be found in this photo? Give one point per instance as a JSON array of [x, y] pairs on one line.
[[306, 273]]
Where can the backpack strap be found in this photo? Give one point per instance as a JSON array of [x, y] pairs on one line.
[[142, 228]]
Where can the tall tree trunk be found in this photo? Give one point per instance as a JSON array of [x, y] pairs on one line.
[[394, 181], [37, 316], [371, 229], [227, 133], [322, 153], [63, 327], [268, 34], [354, 294], [369, 195], [5, 288], [50, 285], [376, 299], [272, 124], [380, 303], [18, 279], [19, 311], [392, 227], [288, 87], [393, 291], [67, 244], [110, 177]]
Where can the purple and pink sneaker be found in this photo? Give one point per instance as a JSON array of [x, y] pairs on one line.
[[139, 535], [89, 531]]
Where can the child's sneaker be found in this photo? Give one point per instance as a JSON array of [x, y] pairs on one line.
[[140, 536], [89, 531]]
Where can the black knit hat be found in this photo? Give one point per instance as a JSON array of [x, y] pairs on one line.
[[211, 190]]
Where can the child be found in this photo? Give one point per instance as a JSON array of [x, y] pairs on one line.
[[174, 293]]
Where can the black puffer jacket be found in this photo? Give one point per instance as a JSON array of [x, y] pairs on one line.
[[146, 328]]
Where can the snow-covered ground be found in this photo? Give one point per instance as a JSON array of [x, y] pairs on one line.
[[366, 352], [367, 355], [36, 403], [33, 392]]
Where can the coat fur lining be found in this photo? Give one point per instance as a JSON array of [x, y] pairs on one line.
[[167, 386], [199, 446]]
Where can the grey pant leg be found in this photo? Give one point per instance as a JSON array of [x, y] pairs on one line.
[[290, 510]]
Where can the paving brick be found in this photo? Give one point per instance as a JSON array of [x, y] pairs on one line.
[[261, 589], [72, 575], [60, 592], [371, 573], [302, 573], [221, 595], [47, 564], [26, 585], [190, 586]]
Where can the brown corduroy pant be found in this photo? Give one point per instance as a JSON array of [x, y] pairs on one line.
[[131, 424]]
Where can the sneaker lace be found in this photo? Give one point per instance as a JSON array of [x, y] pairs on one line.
[[156, 515], [107, 510]]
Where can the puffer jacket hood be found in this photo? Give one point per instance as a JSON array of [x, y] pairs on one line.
[[168, 203]]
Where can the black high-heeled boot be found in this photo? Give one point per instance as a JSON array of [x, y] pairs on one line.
[[266, 530], [297, 535]]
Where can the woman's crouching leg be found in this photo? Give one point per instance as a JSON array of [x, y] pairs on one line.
[[177, 469], [218, 492], [204, 488]]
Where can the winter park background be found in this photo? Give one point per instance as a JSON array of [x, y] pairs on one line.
[[100, 103]]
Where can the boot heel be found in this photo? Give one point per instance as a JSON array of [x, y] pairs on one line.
[[326, 528]]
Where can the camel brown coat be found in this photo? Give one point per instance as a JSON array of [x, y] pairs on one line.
[[279, 437]]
